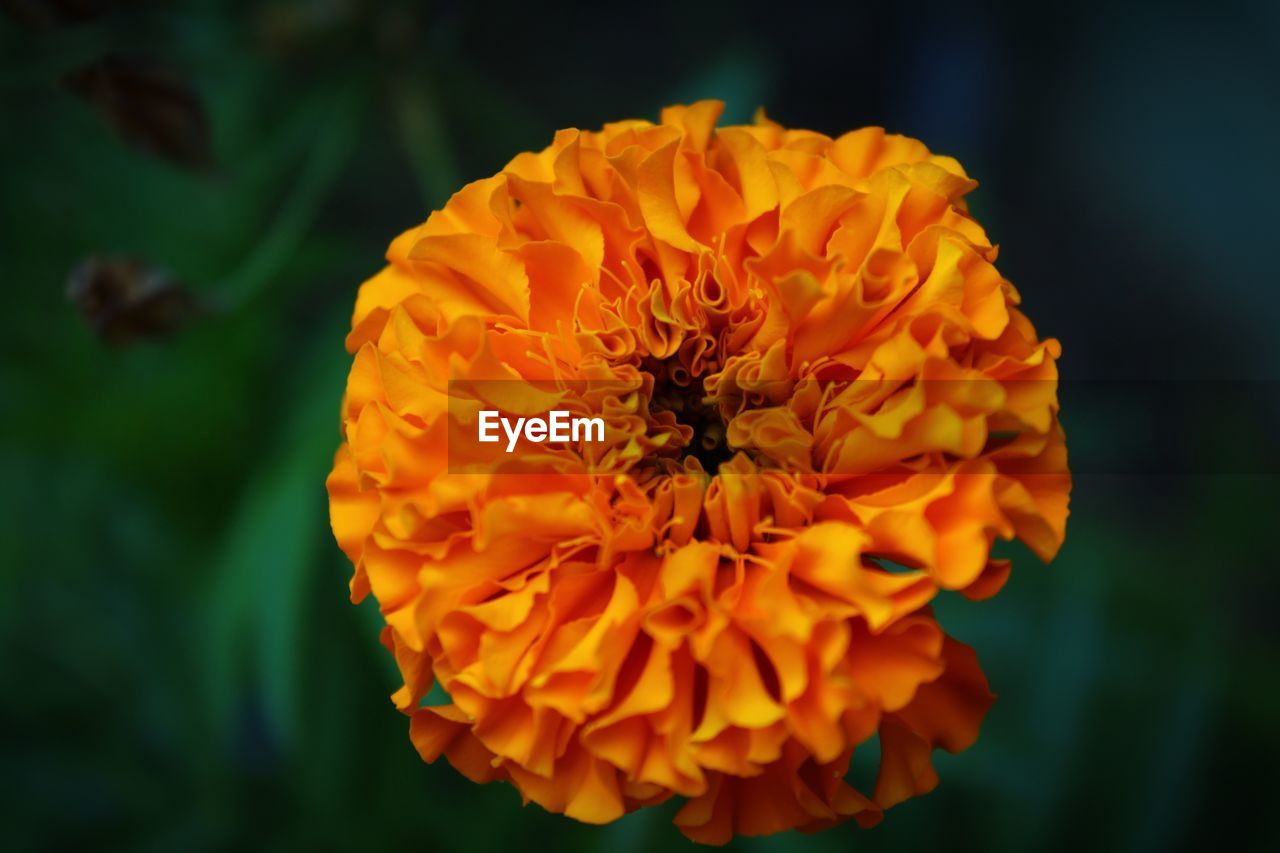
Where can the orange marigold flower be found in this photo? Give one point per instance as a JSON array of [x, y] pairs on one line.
[[823, 407]]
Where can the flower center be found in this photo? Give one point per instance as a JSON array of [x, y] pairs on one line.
[[674, 391]]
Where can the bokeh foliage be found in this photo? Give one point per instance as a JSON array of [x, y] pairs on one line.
[[181, 668]]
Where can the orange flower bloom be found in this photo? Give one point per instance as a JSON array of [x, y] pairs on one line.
[[823, 407]]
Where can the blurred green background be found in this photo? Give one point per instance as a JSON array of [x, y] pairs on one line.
[[181, 669]]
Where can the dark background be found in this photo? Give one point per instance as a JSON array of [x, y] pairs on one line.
[[181, 669]]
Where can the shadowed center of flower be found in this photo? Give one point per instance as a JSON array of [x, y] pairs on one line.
[[684, 398]]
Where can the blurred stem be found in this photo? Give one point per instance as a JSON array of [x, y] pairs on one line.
[[422, 133], [334, 143]]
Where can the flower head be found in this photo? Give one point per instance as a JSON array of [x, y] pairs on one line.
[[823, 407]]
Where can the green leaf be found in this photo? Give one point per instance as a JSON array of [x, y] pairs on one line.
[[257, 624]]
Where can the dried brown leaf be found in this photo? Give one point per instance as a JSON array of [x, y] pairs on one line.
[[124, 300], [149, 104]]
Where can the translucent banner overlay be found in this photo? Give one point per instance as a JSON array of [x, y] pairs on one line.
[[848, 428]]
